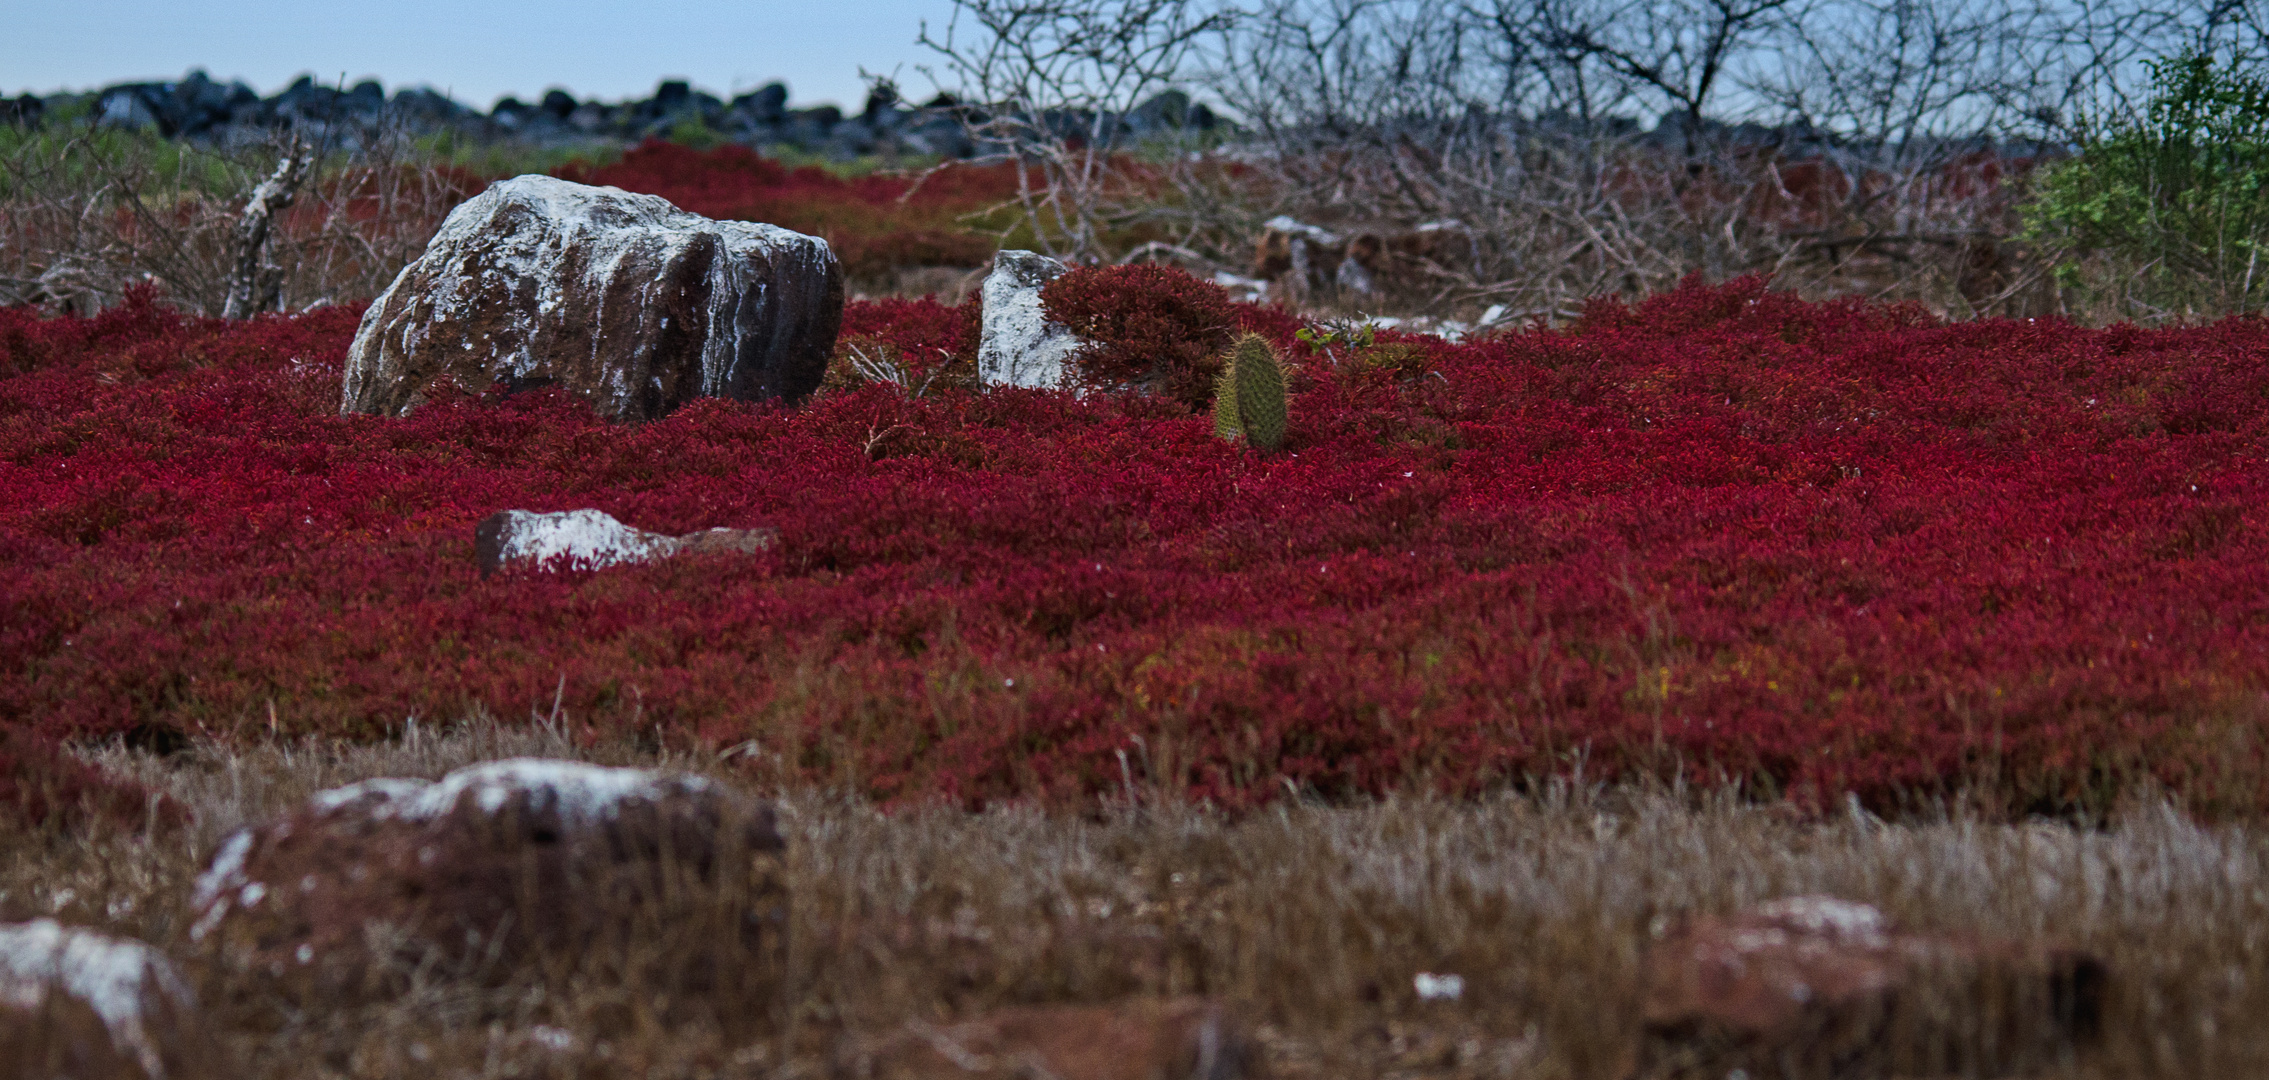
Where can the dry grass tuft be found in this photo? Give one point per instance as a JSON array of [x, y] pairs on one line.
[[1314, 918]]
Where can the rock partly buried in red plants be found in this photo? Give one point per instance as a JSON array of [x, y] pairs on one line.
[[623, 299], [1181, 1039], [1814, 986], [74, 1003], [501, 862], [593, 539], [1018, 344]]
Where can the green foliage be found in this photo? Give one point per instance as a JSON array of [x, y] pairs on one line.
[[692, 131], [1322, 338], [1249, 395], [489, 158], [2175, 199], [35, 162]]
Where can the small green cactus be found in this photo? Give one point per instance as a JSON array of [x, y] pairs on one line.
[[1248, 399], [1225, 422]]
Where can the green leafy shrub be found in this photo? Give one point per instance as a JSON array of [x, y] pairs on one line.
[[2173, 200]]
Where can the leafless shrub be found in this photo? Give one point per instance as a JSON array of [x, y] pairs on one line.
[[1879, 149], [86, 213], [255, 282], [1048, 84]]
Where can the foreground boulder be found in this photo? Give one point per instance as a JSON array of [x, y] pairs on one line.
[[1183, 1039], [622, 299], [593, 539], [1819, 987], [1018, 345], [74, 1003], [499, 863]]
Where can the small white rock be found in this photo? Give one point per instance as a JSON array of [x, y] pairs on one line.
[[1432, 987]]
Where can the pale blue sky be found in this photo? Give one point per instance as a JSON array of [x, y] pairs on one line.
[[478, 50]]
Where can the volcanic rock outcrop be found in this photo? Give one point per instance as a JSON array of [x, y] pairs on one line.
[[93, 1007], [233, 114], [625, 300], [1814, 986], [497, 862]]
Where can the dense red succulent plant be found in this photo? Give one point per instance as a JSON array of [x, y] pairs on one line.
[[1722, 534], [936, 344], [1153, 327]]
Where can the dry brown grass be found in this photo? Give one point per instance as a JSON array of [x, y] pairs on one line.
[[1315, 917]]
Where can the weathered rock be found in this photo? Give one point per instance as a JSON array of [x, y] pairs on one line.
[[593, 539], [623, 299], [1814, 986], [75, 1003], [501, 862], [1018, 344], [1300, 257], [1183, 1039]]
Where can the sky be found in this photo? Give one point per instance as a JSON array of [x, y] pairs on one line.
[[476, 50]]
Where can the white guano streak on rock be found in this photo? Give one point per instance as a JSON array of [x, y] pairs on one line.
[[615, 225], [1019, 345], [114, 976], [590, 539], [366, 338], [579, 792], [499, 262], [1829, 915], [226, 871], [380, 789]]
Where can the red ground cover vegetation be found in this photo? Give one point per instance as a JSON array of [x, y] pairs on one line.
[[875, 223], [1155, 328], [1723, 534], [933, 343]]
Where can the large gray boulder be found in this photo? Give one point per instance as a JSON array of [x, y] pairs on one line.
[[631, 303], [1018, 345]]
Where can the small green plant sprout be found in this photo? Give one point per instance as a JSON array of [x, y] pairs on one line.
[[1321, 338], [1248, 397]]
